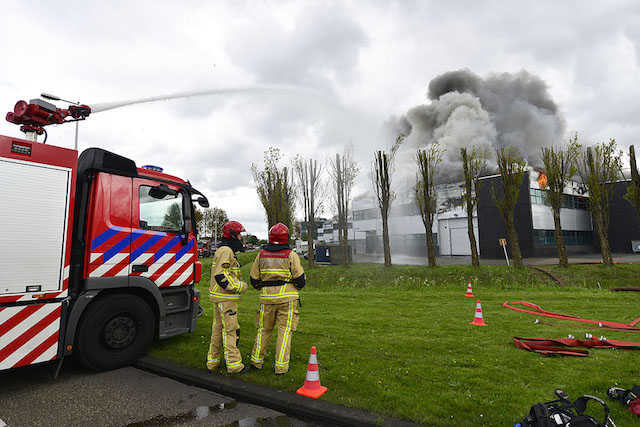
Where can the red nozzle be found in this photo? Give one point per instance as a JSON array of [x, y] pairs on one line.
[[21, 108], [79, 111]]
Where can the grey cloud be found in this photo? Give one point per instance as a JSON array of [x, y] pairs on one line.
[[322, 48]]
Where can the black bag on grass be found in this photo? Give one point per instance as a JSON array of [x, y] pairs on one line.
[[563, 412]]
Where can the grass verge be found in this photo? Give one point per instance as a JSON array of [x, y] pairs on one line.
[[398, 342]]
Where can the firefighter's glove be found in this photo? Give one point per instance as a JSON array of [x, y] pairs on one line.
[[221, 280], [256, 283]]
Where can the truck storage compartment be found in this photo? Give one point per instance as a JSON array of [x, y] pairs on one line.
[[33, 224]]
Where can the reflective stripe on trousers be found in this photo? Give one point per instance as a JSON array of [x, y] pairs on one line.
[[281, 316]]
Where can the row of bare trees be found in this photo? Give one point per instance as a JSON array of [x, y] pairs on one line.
[[280, 187], [598, 167]]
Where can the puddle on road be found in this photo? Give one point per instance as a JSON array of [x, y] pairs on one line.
[[277, 421], [199, 413], [202, 412]]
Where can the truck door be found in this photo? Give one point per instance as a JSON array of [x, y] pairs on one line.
[[163, 246]]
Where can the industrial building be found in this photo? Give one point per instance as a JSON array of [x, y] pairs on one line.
[[534, 222]]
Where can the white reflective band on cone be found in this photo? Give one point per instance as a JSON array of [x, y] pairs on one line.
[[313, 359], [311, 376]]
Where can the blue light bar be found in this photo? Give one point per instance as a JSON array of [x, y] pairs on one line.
[[152, 168]]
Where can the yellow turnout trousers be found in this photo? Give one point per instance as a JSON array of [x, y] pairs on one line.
[[224, 338], [284, 316]]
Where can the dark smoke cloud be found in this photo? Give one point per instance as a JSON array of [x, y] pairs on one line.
[[489, 113]]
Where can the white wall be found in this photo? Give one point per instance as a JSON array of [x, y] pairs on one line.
[[570, 219], [453, 236]]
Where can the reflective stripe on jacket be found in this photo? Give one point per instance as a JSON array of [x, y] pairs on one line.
[[226, 263], [273, 267]]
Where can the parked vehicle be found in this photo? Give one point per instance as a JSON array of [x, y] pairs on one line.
[[204, 249], [117, 259]]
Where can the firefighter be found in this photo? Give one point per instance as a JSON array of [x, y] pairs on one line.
[[225, 291], [278, 274]]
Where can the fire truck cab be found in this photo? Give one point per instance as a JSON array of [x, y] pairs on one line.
[[117, 259]]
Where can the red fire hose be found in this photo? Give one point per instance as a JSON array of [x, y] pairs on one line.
[[552, 347], [602, 323]]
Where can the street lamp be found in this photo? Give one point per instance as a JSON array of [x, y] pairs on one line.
[[57, 98]]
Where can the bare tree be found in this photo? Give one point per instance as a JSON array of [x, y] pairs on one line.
[[599, 169], [560, 166], [275, 189], [199, 224], [382, 172], [473, 165], [512, 168], [308, 175], [425, 191], [633, 190], [343, 171], [213, 219]]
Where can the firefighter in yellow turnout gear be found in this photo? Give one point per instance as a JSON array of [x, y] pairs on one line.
[[279, 276], [225, 290]]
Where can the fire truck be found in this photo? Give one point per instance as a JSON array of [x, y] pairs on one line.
[[117, 256]]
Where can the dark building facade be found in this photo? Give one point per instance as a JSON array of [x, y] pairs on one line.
[[534, 220], [491, 227], [625, 223]]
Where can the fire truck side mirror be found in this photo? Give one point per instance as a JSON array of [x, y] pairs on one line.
[[187, 206], [202, 201], [161, 191]]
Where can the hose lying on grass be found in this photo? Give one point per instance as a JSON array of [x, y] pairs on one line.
[[601, 323], [555, 347]]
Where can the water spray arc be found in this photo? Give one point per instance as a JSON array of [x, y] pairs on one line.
[[36, 114], [99, 107]]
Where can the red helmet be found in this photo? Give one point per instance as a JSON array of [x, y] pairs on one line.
[[279, 234], [232, 230]]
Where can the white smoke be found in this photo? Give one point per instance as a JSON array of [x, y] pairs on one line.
[[489, 113]]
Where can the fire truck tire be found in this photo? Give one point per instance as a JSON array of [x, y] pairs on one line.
[[114, 332]]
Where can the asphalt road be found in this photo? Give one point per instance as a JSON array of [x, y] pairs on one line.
[[125, 397]]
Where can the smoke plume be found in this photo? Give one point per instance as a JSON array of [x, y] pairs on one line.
[[489, 113]]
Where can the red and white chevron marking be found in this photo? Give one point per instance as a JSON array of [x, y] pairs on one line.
[[164, 272], [118, 265], [29, 334]]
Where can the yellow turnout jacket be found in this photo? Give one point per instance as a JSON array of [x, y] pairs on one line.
[[226, 284], [278, 275]]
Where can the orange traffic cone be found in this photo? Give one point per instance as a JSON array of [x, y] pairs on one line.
[[478, 320], [312, 387], [469, 291]]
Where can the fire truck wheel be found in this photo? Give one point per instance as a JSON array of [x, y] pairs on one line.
[[114, 332]]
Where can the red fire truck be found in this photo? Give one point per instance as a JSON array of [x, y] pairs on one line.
[[117, 254]]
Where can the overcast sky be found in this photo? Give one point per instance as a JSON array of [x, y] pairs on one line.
[[325, 74]]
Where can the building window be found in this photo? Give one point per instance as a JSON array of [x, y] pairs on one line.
[[571, 238], [539, 197], [364, 214]]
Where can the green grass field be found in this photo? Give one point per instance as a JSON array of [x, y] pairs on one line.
[[398, 342]]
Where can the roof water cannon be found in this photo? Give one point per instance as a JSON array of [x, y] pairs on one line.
[[36, 114]]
